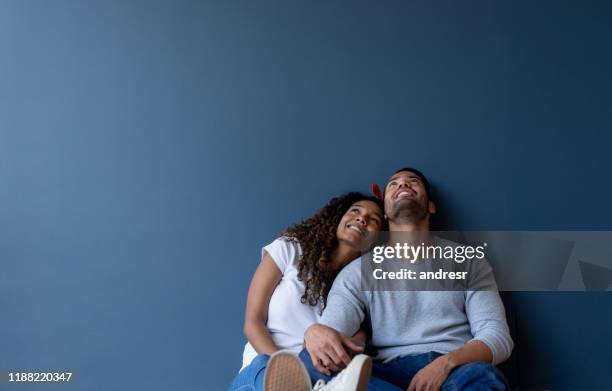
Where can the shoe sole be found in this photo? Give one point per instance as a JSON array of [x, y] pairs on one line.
[[285, 372], [364, 375]]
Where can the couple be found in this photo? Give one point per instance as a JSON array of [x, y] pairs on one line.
[[302, 295]]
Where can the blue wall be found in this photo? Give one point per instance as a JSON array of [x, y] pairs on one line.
[[148, 149]]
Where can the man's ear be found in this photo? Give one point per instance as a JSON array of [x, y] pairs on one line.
[[431, 208]]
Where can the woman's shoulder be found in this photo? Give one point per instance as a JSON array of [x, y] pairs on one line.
[[287, 242], [285, 251]]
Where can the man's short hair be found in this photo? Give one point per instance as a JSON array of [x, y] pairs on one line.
[[422, 177]]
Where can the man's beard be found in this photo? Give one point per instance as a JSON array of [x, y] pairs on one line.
[[409, 210]]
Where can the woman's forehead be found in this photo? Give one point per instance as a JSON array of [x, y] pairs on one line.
[[367, 204]]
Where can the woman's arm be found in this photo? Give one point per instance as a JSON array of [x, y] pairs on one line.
[[265, 280]]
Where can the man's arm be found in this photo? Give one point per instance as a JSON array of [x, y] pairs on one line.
[[491, 341], [328, 343], [329, 349], [487, 317]]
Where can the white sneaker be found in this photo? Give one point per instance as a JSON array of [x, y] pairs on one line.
[[354, 377], [286, 372]]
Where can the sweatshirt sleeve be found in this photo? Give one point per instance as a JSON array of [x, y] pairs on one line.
[[487, 316], [345, 310]]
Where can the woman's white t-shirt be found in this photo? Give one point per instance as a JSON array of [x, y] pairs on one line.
[[288, 317]]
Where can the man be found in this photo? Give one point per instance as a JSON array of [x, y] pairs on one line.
[[425, 340]]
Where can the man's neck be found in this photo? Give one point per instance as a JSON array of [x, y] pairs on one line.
[[409, 226], [398, 231], [403, 226]]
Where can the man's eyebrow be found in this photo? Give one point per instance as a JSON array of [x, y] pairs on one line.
[[394, 177]]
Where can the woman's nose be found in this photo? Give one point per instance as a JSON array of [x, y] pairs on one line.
[[362, 220]]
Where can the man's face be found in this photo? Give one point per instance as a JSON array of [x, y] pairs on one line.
[[405, 196]]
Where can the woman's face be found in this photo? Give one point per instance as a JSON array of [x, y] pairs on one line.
[[362, 217]]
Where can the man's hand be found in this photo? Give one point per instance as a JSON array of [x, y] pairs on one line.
[[328, 348], [431, 377], [360, 337]]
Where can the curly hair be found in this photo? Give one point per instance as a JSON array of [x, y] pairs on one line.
[[317, 238]]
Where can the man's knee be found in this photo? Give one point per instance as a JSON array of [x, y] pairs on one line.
[[475, 377]]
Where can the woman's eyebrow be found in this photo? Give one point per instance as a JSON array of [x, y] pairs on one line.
[[373, 213], [362, 207]]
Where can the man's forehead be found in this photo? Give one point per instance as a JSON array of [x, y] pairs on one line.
[[400, 174]]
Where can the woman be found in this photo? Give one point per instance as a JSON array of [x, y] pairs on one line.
[[289, 289]]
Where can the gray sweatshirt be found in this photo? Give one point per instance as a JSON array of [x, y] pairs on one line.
[[414, 322]]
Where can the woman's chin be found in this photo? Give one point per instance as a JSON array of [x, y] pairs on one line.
[[354, 242]]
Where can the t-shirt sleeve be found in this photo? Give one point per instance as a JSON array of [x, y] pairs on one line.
[[346, 303], [283, 252]]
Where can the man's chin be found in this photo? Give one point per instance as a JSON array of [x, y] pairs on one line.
[[407, 208], [405, 203]]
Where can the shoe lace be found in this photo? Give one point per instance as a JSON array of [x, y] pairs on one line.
[[334, 384]]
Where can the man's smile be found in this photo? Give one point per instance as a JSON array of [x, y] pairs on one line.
[[404, 193]]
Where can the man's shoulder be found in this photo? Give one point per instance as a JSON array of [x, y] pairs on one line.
[[351, 272], [353, 266]]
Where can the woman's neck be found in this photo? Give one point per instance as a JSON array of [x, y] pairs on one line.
[[342, 255]]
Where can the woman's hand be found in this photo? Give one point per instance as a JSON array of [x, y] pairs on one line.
[[330, 350]]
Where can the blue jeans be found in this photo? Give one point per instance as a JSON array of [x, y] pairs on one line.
[[396, 374], [251, 377]]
